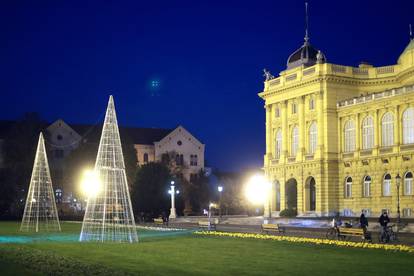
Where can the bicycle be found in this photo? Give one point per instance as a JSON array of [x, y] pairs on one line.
[[333, 233], [388, 235]]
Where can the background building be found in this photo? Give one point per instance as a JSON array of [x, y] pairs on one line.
[[150, 145], [338, 136]]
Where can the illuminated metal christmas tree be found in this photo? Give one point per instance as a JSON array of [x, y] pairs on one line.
[[40, 213], [108, 215]]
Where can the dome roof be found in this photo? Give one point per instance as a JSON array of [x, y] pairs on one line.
[[306, 55]]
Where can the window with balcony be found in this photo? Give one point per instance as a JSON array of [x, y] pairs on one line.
[[295, 141], [408, 126], [278, 148], [313, 138], [349, 136], [387, 125], [368, 133]]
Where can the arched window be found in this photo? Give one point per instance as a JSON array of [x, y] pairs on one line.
[[367, 186], [295, 141], [408, 126], [145, 158], [408, 183], [386, 185], [387, 129], [348, 187], [313, 137], [278, 145], [349, 136], [368, 133]]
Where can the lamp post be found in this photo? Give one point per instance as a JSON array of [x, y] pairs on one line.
[[398, 182], [220, 190], [173, 192]]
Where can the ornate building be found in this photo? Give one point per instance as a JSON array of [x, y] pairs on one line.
[[338, 137]]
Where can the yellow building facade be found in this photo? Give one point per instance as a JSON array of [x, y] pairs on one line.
[[340, 139]]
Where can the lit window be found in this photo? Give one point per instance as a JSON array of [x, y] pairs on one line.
[[313, 137], [408, 126], [311, 104], [386, 185], [367, 186], [349, 133], [348, 187], [278, 147], [295, 141], [368, 133], [387, 129], [408, 184]]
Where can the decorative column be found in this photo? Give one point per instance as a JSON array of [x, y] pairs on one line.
[[319, 108], [376, 133], [284, 151], [357, 134], [268, 133], [302, 127], [397, 127]]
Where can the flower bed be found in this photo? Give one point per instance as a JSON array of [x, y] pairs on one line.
[[390, 247]]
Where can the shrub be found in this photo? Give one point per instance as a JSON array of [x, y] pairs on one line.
[[289, 213]]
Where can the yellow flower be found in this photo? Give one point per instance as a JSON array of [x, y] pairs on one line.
[[402, 248]]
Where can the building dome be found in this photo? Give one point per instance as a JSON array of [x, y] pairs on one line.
[[306, 55], [407, 56]]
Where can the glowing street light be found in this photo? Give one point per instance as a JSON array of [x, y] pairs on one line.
[[90, 184], [257, 191], [220, 190], [173, 192]]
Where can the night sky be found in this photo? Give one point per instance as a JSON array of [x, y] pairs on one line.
[[194, 63]]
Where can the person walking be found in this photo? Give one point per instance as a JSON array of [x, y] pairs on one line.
[[363, 221], [383, 221]]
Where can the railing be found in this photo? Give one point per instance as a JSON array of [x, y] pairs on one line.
[[385, 70], [360, 71], [308, 72], [291, 77], [375, 96]]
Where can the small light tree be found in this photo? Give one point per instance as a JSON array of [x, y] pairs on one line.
[[40, 213]]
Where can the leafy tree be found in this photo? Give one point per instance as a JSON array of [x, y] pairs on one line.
[[19, 150], [149, 192], [84, 157]]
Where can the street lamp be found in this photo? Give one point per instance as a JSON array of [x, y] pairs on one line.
[[220, 190], [173, 192], [398, 182]]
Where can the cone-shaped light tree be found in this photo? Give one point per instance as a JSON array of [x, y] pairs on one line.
[[40, 213], [108, 216]]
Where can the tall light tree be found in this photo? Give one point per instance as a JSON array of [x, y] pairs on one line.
[[109, 216], [40, 213]]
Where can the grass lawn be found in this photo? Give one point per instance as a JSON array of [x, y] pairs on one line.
[[166, 253]]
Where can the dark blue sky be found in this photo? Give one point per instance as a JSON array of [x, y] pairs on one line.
[[63, 59]]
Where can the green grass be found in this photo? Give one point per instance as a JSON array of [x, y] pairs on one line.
[[172, 254]]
